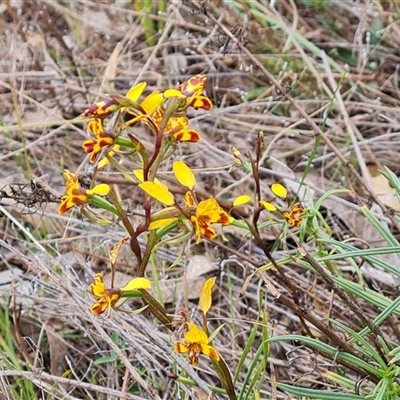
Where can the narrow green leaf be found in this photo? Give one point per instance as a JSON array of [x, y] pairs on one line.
[[245, 352], [332, 351], [318, 394], [107, 359]]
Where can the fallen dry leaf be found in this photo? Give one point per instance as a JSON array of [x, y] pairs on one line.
[[196, 274], [385, 192]]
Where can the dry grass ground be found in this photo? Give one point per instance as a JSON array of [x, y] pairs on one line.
[[335, 64]]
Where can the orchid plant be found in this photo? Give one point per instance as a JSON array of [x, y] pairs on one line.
[[164, 116]]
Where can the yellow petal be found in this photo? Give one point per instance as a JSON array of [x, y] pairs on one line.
[[98, 288], [137, 283], [206, 295], [139, 175], [184, 174], [187, 135], [102, 163], [203, 229], [71, 179], [161, 223], [96, 127], [173, 93], [189, 199], [135, 91], [279, 190], [209, 210], [209, 351], [194, 85], [241, 200], [151, 102], [201, 102], [180, 347], [102, 190], [268, 206], [102, 109], [195, 334], [99, 307], [158, 192]]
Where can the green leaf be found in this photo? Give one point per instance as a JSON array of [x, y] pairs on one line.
[[332, 351], [318, 394], [107, 359]]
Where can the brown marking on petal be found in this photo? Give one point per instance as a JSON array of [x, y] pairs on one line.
[[92, 110], [99, 307], [194, 359], [108, 136], [193, 85], [95, 127], [213, 354], [77, 200], [202, 102], [189, 199], [104, 142], [102, 109], [292, 216], [157, 118], [187, 136], [88, 145], [78, 192], [113, 296], [208, 232], [72, 179], [296, 222], [194, 136], [204, 218], [63, 208], [223, 218], [93, 156], [109, 105], [180, 348], [178, 137], [292, 219]]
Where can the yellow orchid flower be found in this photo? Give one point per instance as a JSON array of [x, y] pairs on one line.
[[77, 195], [191, 91], [103, 109], [177, 127], [107, 298], [196, 343], [207, 212], [292, 215], [103, 139], [116, 102]]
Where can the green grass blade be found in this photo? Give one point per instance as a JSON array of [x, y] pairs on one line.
[[317, 394], [332, 351]]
